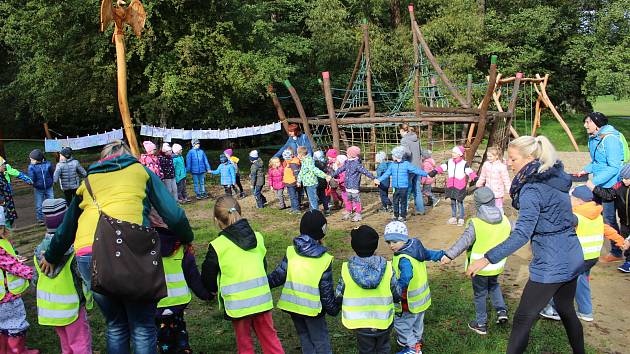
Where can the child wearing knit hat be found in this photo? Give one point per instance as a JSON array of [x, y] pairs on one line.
[[399, 171], [411, 272], [308, 177], [353, 169], [383, 187], [230, 155], [428, 165], [292, 166], [458, 172], [41, 173], [65, 280], [228, 175], [367, 291], [619, 195], [489, 228], [168, 169], [257, 178], [180, 174], [307, 265], [150, 159]]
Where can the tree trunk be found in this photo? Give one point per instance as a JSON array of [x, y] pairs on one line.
[[394, 12]]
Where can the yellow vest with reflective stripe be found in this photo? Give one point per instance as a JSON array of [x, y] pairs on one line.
[[591, 235], [418, 292], [57, 298], [367, 308], [14, 284], [242, 280], [300, 293], [178, 292], [487, 236]]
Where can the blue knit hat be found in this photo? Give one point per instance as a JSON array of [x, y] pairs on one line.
[[583, 193], [396, 231], [625, 171], [223, 158]]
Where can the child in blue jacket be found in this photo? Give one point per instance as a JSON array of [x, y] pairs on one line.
[[383, 165], [41, 173], [197, 164], [227, 172], [399, 171], [411, 273]]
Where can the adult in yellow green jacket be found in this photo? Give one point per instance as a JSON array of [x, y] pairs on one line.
[[125, 190]]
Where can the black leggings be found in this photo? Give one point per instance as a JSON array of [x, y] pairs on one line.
[[238, 183], [535, 297]]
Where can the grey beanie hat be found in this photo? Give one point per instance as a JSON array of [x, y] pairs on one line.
[[625, 171], [398, 152], [484, 196]]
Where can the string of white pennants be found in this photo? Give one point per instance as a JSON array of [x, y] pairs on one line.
[[186, 134], [83, 142]]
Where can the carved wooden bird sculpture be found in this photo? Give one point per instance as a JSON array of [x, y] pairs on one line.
[[133, 15]]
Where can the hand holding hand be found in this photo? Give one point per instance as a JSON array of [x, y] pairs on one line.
[[376, 182], [432, 173], [445, 260], [590, 185], [328, 178], [46, 268], [477, 266], [626, 245]]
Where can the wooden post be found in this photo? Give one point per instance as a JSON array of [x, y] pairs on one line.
[[357, 63], [123, 105], [330, 106], [368, 86], [548, 103], [481, 129], [300, 108], [436, 66], [416, 63], [278, 106]]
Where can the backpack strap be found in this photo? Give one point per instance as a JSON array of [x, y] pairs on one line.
[[89, 190]]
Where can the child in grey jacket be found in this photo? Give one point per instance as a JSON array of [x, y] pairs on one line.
[[68, 173]]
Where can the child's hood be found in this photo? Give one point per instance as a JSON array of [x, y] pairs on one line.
[[367, 272], [306, 246], [490, 214], [241, 234], [590, 210], [413, 248], [168, 241]]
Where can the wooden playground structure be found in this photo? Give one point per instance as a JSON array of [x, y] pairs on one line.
[[356, 121]]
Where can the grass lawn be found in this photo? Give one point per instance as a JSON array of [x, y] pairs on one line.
[[445, 322], [612, 107]]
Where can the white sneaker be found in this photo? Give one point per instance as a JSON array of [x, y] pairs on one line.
[[585, 317], [550, 313], [452, 221], [460, 222], [346, 216], [357, 218]]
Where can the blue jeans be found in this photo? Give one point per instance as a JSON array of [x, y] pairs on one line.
[[260, 198], [583, 293], [482, 286], [416, 191], [311, 192], [125, 319], [199, 180], [455, 205], [400, 202], [383, 189], [409, 328], [293, 197], [610, 218], [40, 196], [313, 332]]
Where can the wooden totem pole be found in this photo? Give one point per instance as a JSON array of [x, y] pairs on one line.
[[135, 16]]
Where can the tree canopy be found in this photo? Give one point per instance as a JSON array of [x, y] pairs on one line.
[[203, 64]]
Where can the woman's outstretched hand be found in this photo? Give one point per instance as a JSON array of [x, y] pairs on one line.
[[477, 266], [46, 267]]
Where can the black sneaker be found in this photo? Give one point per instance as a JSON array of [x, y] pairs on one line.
[[479, 328], [326, 212], [382, 210], [502, 317]]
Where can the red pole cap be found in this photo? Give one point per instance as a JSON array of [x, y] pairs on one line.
[[326, 75], [410, 7], [519, 75]]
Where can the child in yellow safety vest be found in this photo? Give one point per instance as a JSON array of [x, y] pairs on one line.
[[308, 292], [234, 269], [61, 295], [486, 230], [367, 291], [411, 273], [591, 231], [14, 277], [182, 276]]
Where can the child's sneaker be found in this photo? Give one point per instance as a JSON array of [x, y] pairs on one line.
[[625, 267], [584, 317], [460, 222], [502, 317], [402, 219], [407, 350], [199, 197], [479, 328], [550, 313], [382, 209], [346, 215], [394, 217], [357, 218], [452, 221], [327, 212]]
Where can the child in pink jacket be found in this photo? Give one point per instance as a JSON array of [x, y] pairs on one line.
[[428, 165], [275, 174], [458, 172], [494, 174], [150, 159]]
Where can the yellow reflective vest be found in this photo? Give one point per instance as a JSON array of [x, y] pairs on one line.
[[300, 293], [367, 308], [418, 292], [590, 232], [243, 286], [9, 282], [176, 286], [487, 236], [57, 298]]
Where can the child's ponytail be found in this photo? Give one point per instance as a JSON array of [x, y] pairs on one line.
[[227, 211]]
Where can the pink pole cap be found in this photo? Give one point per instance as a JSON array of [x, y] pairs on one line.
[[410, 7], [326, 75], [519, 75]]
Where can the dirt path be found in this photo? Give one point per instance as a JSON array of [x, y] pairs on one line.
[[609, 287]]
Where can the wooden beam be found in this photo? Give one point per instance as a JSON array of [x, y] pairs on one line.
[[555, 113], [276, 103], [300, 108], [357, 63], [416, 63], [351, 121], [330, 106], [481, 129]]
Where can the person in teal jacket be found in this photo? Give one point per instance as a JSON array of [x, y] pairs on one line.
[[180, 174]]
